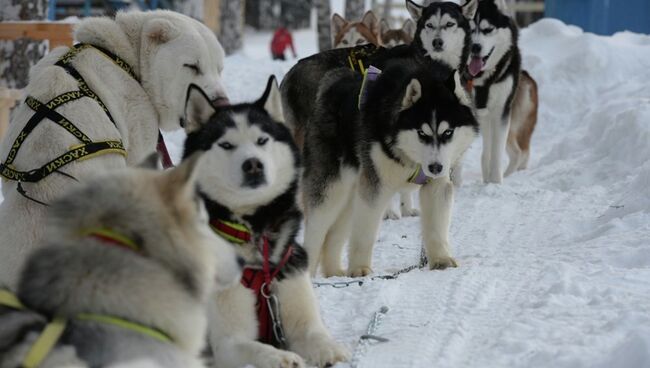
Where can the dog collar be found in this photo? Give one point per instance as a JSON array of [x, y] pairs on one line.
[[231, 231], [419, 177], [111, 237]]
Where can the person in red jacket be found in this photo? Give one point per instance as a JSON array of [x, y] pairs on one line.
[[281, 40]]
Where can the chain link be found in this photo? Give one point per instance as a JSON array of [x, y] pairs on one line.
[[364, 340]]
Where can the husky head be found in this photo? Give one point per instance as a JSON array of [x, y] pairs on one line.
[[394, 37], [250, 156], [443, 31], [350, 34], [494, 34], [431, 122], [169, 51]]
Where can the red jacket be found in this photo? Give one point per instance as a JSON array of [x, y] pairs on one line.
[[281, 40]]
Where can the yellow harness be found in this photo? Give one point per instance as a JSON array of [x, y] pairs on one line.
[[56, 327]]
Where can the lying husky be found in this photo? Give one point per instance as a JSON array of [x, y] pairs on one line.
[[105, 98], [249, 180], [410, 126], [389, 37], [495, 67], [347, 33], [442, 35], [119, 280]]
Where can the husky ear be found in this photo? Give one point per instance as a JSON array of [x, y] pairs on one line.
[[414, 9], [159, 31], [370, 20], [469, 9], [271, 100], [454, 84], [383, 27], [150, 162], [337, 22], [198, 108], [409, 27], [412, 94], [181, 179]]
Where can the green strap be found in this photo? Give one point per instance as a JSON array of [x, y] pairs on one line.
[[119, 322], [9, 299], [45, 342]]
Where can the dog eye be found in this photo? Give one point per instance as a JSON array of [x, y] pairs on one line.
[[429, 25], [450, 24], [194, 67], [360, 42], [226, 145], [488, 30], [422, 134], [448, 133], [262, 141], [345, 42]]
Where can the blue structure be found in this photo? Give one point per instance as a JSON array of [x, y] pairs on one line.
[[602, 16]]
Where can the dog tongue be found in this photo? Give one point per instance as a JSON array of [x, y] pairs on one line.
[[475, 66]]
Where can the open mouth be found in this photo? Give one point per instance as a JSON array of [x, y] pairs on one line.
[[477, 63]]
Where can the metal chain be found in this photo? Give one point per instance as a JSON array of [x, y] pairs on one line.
[[359, 281], [364, 340]]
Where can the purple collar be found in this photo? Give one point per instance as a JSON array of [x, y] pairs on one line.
[[419, 177]]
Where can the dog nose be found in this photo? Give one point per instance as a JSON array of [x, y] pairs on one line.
[[476, 48], [435, 168], [438, 43], [252, 166]]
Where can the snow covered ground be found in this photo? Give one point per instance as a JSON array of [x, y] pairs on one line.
[[555, 263]]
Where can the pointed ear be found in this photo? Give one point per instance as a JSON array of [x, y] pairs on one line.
[[383, 27], [198, 108], [181, 180], [455, 84], [150, 162], [370, 21], [409, 27], [469, 9], [412, 94], [271, 100], [159, 31], [414, 9], [337, 25]]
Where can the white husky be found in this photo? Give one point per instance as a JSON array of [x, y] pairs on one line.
[[139, 66]]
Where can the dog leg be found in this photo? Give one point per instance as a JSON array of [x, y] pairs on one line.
[[436, 200], [457, 174], [486, 131], [233, 333], [392, 211], [334, 242], [406, 203], [367, 218], [302, 323], [514, 154]]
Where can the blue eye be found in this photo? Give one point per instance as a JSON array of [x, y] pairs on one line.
[[226, 146], [262, 141]]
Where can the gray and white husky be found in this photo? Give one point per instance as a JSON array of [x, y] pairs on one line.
[[128, 265], [411, 124], [494, 66], [249, 180]]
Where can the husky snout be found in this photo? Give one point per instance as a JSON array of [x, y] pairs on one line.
[[253, 170], [438, 44]]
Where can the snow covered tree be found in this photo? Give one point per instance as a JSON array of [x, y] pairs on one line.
[[323, 14], [231, 25], [19, 55], [354, 9]]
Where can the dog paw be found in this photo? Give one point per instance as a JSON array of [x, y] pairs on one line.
[[320, 350], [391, 214], [339, 272], [440, 263], [282, 359], [360, 271], [410, 212]]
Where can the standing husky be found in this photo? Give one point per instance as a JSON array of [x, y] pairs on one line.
[[410, 125], [350, 33], [442, 35], [249, 179], [495, 66], [125, 279], [106, 99], [394, 37]]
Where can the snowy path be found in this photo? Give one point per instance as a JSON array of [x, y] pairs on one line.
[[555, 263]]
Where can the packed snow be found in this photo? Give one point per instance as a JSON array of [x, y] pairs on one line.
[[555, 262]]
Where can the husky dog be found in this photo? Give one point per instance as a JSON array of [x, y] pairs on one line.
[[249, 180], [154, 56], [445, 24], [411, 123], [494, 66], [131, 277], [350, 33], [523, 119], [393, 37]]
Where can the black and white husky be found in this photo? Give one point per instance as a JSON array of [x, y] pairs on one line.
[[249, 180], [411, 125], [494, 66]]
